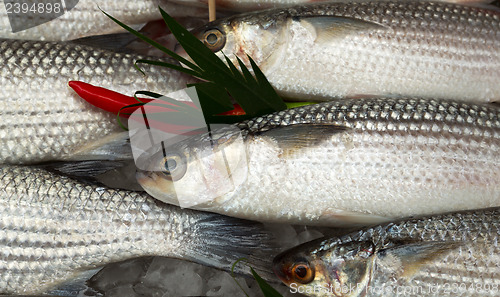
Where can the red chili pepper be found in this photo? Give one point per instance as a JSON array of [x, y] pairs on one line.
[[103, 98], [114, 102]]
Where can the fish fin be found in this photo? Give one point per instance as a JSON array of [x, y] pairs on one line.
[[112, 147], [344, 218], [295, 137], [75, 285], [327, 28], [411, 256], [226, 240], [116, 42], [89, 168], [113, 174]]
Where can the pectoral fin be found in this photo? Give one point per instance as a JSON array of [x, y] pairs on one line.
[[116, 42], [330, 28], [295, 137], [412, 256]]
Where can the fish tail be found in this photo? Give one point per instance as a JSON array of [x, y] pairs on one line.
[[225, 240]]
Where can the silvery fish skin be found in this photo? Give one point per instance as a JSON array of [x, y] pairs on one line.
[[43, 118], [86, 19], [251, 5], [342, 162], [454, 254], [53, 229], [379, 48]]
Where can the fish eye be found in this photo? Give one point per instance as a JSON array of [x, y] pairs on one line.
[[214, 39], [170, 164], [173, 167], [302, 273]]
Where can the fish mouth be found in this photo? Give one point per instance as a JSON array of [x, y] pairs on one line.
[[142, 175], [157, 187], [144, 178]]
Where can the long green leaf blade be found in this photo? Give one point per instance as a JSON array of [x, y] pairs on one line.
[[254, 99], [266, 86], [248, 76], [168, 65], [264, 286], [155, 44]]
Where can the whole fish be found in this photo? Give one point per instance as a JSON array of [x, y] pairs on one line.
[[44, 119], [337, 163], [453, 254], [86, 18], [379, 48], [55, 229]]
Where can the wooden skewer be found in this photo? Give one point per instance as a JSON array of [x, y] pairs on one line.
[[211, 10]]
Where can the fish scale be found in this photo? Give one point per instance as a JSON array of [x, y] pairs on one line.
[[452, 268], [53, 228], [393, 111], [378, 48], [429, 156], [42, 118], [466, 264], [87, 19]]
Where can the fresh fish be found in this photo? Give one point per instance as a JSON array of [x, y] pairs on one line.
[[54, 230], [342, 162], [86, 18], [251, 5], [454, 254], [377, 48], [43, 119]]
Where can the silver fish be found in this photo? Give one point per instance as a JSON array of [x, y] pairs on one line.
[[251, 5], [55, 229], [87, 19], [342, 162], [44, 119], [454, 254], [379, 48]]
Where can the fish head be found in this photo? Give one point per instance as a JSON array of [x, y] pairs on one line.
[[201, 170], [243, 36], [340, 270]]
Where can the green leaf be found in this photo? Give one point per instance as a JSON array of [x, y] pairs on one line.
[[213, 99], [254, 94], [264, 286], [266, 289], [164, 64], [248, 76], [298, 104], [266, 86], [155, 44]]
